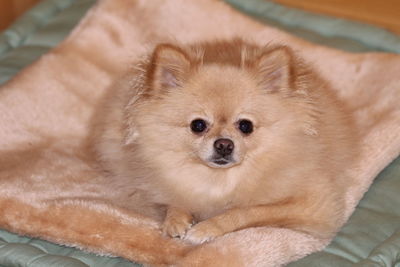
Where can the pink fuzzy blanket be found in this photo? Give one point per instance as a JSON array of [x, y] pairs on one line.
[[49, 187]]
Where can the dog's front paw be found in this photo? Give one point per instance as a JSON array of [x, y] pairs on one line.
[[203, 232], [177, 226]]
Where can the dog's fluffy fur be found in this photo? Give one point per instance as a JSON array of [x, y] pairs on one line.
[[290, 171]]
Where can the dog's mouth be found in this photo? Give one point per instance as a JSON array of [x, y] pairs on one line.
[[221, 162]]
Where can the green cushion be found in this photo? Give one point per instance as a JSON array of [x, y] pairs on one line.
[[330, 31], [30, 252]]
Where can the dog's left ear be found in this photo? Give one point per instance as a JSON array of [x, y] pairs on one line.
[[170, 67], [273, 67]]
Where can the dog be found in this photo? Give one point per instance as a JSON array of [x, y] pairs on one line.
[[227, 135]]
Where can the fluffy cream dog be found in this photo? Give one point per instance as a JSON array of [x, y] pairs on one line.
[[228, 135]]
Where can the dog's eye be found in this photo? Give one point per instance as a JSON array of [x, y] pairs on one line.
[[245, 126], [198, 126]]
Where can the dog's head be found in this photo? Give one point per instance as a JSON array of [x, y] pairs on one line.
[[218, 106]]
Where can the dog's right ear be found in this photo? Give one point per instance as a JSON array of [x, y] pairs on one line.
[[170, 67]]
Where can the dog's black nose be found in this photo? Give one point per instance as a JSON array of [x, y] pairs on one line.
[[224, 147]]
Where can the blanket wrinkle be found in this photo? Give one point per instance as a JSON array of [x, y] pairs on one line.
[[50, 187]]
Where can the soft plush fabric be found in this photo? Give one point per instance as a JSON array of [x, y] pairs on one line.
[[49, 188]]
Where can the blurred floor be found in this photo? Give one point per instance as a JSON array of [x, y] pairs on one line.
[[383, 13]]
